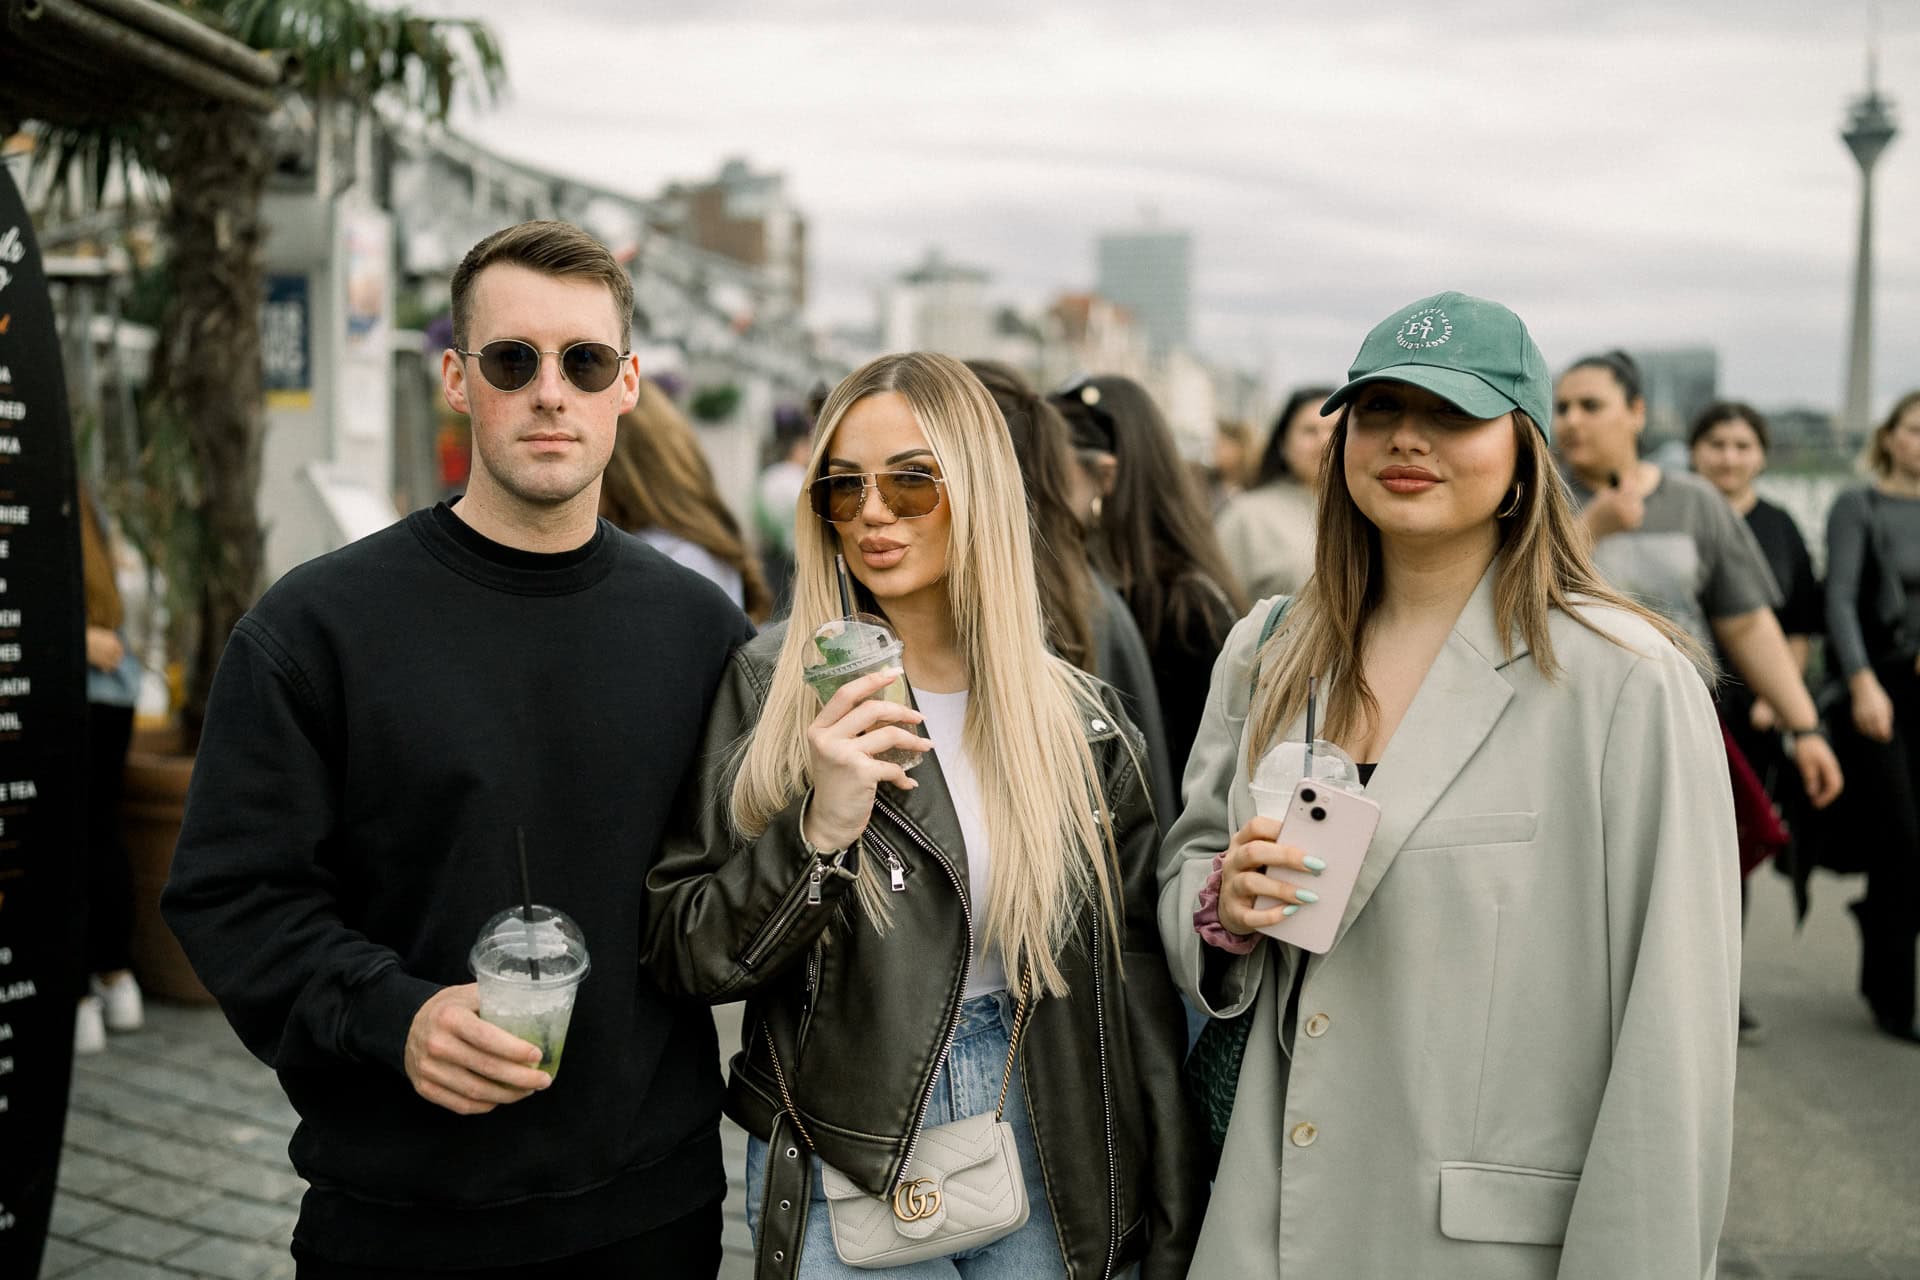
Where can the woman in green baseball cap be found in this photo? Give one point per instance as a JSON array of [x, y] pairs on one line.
[[1524, 1020]]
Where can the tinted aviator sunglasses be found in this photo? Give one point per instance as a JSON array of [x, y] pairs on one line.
[[510, 364], [909, 495]]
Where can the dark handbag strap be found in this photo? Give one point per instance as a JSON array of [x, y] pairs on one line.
[[1267, 628]]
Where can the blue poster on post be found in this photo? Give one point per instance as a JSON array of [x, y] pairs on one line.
[[286, 343]]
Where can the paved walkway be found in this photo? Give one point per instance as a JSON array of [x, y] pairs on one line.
[[176, 1142]]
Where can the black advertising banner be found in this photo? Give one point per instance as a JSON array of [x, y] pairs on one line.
[[42, 730]]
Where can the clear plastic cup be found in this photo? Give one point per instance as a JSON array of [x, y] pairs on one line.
[[1285, 764], [504, 959], [844, 649]]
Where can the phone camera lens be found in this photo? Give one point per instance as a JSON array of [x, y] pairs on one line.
[[1317, 814], [1308, 795]]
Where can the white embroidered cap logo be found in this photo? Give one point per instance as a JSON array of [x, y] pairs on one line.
[[1426, 328]]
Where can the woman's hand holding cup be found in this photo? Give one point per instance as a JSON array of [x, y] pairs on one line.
[[853, 727], [1247, 873]]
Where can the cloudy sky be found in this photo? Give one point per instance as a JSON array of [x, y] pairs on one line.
[[1621, 172]]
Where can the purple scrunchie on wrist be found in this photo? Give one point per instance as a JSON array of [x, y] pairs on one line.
[[1206, 921]]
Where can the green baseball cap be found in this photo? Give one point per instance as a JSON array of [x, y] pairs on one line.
[[1473, 353]]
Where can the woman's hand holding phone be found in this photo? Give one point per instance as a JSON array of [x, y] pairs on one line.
[[852, 728], [1250, 872]]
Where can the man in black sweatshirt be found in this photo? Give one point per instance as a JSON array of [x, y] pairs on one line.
[[381, 723]]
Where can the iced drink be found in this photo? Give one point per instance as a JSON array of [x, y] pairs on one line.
[[1286, 763], [844, 649], [528, 967]]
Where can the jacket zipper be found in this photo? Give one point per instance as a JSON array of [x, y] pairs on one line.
[[807, 890], [1106, 1103], [813, 990], [953, 1013]]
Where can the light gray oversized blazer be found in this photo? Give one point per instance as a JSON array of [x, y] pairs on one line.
[[1517, 1059]]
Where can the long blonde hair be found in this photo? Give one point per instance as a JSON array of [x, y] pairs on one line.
[[1045, 812], [658, 478], [1542, 565]]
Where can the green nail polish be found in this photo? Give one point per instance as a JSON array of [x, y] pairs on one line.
[[1289, 909], [1306, 895], [1313, 864]]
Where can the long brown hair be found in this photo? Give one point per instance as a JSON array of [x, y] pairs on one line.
[[1542, 565], [1039, 437], [1157, 538], [658, 478]]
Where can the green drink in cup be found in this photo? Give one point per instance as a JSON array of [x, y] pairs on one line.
[[528, 962], [845, 649]]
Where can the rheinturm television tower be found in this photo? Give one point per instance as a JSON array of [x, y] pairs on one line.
[[1869, 129]]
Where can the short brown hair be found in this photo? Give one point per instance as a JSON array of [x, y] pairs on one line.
[[552, 249], [1878, 457]]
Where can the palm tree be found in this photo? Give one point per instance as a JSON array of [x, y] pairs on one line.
[[214, 158]]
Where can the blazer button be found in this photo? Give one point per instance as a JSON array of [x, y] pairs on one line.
[[1099, 726], [1304, 1133], [1317, 1025]]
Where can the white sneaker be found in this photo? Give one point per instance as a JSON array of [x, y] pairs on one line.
[[89, 1026], [124, 1008]]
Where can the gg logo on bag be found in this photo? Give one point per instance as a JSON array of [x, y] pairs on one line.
[[913, 1201]]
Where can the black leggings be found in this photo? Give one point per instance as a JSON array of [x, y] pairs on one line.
[[109, 883], [1889, 913]]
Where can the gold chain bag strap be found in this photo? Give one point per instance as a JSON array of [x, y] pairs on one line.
[[963, 1188]]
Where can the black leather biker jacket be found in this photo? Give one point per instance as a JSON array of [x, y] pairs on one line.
[[862, 1020]]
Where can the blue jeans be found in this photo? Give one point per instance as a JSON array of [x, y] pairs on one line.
[[967, 1085]]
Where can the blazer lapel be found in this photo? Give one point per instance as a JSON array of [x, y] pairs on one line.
[[1455, 709]]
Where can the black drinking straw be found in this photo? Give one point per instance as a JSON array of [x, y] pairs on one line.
[[526, 903], [846, 585], [1308, 771]]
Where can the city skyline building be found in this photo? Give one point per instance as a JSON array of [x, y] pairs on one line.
[[938, 305], [1869, 130], [1149, 271], [1678, 382]]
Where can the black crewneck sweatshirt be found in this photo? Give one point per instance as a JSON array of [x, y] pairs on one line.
[[380, 723]]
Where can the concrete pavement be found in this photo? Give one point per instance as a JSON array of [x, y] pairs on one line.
[[176, 1162]]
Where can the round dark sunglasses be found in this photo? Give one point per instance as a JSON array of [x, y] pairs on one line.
[[839, 498], [511, 364]]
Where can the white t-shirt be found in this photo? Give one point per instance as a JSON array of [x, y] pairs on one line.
[[946, 721]]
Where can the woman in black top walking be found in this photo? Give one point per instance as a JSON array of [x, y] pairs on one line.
[[1873, 620], [1729, 444], [1157, 543]]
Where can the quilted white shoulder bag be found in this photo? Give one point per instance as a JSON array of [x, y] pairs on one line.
[[962, 1189]]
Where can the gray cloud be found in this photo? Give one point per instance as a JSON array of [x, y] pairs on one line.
[[1625, 172]]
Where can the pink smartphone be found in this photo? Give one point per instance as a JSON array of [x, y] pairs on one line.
[[1336, 826]]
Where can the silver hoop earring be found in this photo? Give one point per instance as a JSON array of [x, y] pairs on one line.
[[1513, 503]]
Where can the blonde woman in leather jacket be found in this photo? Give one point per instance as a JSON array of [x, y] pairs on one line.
[[885, 926]]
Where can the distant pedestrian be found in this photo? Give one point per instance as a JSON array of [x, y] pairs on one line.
[[1087, 621], [112, 1000], [1517, 1059], [660, 486], [1266, 533], [1154, 538], [1873, 622], [776, 498], [383, 725], [971, 942], [1728, 445], [1233, 462], [1670, 541]]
